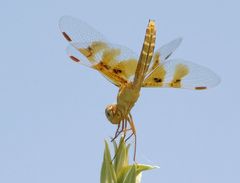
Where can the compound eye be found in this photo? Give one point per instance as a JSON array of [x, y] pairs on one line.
[[107, 113]]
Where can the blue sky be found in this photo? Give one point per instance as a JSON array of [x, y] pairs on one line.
[[52, 121]]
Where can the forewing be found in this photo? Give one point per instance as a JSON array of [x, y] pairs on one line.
[[115, 62], [177, 73], [90, 48]]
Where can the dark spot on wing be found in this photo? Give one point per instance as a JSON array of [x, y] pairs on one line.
[[89, 48], [200, 87], [74, 59], [177, 81], [117, 71], [104, 65], [157, 80], [168, 56], [66, 36]]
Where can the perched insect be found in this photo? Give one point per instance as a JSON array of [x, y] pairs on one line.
[[129, 72]]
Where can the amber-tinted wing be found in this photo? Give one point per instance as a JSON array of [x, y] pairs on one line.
[[176, 73], [88, 47]]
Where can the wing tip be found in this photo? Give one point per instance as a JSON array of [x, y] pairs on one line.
[[64, 17], [178, 41], [62, 21]]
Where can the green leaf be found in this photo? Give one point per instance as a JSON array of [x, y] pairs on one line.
[[142, 167], [115, 146], [121, 159], [138, 178], [120, 171], [108, 174], [131, 175], [121, 175], [103, 176]]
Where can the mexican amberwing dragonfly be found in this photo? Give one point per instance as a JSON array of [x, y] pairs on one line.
[[129, 72]]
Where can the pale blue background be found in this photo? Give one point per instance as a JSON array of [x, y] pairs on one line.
[[52, 121]]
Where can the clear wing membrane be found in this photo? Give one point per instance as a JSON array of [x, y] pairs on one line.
[[75, 30], [167, 50]]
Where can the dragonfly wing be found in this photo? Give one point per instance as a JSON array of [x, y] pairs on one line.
[[167, 50], [163, 53], [115, 62], [90, 48], [177, 73], [75, 30]]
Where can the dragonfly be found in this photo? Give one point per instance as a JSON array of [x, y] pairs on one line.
[[130, 72]]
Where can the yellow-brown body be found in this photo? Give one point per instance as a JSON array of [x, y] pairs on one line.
[[127, 97], [129, 92]]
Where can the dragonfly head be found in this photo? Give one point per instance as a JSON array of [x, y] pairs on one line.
[[112, 114]]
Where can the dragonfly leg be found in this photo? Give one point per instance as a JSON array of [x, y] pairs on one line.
[[128, 137], [130, 120], [124, 131], [125, 128], [117, 133]]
